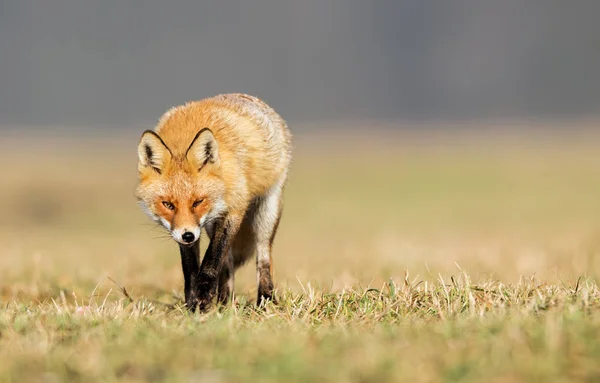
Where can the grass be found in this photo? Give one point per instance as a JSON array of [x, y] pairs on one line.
[[453, 331], [429, 257]]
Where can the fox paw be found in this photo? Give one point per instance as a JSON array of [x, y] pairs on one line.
[[200, 302]]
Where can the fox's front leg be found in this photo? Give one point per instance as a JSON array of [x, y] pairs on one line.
[[190, 256], [225, 230]]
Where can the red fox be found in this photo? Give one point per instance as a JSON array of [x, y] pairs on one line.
[[218, 164]]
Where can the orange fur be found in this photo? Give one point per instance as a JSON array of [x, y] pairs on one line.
[[219, 164], [254, 153]]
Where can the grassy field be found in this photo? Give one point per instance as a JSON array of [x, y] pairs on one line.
[[429, 256]]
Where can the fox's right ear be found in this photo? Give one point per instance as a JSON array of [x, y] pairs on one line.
[[152, 152]]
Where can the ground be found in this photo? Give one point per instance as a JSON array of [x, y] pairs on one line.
[[426, 254]]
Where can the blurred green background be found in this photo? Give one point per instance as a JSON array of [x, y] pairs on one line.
[[360, 207]]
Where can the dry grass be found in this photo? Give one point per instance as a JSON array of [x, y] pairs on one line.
[[426, 256], [417, 331]]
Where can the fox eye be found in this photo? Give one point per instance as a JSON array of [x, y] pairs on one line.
[[198, 202], [168, 205]]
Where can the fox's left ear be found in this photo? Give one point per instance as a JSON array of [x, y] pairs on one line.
[[203, 150]]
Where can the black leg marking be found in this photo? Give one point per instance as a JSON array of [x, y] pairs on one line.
[[190, 265], [265, 288], [265, 276], [226, 279], [206, 286]]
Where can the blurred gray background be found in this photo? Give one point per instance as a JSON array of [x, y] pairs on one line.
[[117, 62]]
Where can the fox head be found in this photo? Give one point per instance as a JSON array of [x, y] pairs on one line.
[[181, 190]]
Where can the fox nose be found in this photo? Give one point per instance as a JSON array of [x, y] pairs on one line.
[[188, 237]]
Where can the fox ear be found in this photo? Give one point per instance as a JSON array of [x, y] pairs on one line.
[[153, 152], [203, 150]]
